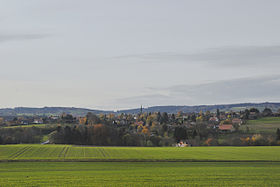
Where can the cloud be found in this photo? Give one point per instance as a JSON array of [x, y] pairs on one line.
[[242, 55], [235, 56], [20, 37], [252, 89], [235, 89]]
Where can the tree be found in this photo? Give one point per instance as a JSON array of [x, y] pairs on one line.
[[145, 130], [278, 134], [165, 128], [68, 118], [236, 126], [127, 140], [165, 117], [82, 120], [194, 134], [173, 117], [247, 129], [155, 141], [267, 112], [159, 118], [218, 113], [246, 114], [179, 114], [92, 119], [254, 110], [193, 118], [180, 133], [68, 135]]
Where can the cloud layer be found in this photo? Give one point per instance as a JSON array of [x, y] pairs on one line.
[[253, 89], [20, 37], [107, 53], [234, 56]]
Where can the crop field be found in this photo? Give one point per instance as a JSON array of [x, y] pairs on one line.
[[139, 174], [263, 125], [38, 125], [26, 126], [32, 152], [66, 165]]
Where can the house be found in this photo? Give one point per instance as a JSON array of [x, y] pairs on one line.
[[211, 126], [193, 123], [24, 122], [185, 118], [213, 120], [226, 128], [38, 121], [223, 117], [54, 117], [182, 144], [236, 121]]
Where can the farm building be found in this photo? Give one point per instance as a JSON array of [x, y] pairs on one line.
[[226, 128], [236, 121]]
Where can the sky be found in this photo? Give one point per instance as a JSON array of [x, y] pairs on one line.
[[111, 55]]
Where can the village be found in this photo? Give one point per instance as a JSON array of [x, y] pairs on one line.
[[139, 129]]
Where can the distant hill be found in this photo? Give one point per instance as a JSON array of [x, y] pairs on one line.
[[47, 111], [212, 108], [169, 109]]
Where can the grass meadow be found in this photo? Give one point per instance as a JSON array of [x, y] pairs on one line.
[[66, 165], [266, 125], [139, 174], [32, 152]]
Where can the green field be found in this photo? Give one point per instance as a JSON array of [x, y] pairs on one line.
[[26, 126], [83, 153], [38, 125], [263, 125], [139, 174], [66, 165]]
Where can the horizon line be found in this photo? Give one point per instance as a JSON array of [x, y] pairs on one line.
[[133, 108]]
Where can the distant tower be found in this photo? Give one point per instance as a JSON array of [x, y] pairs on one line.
[[141, 109]]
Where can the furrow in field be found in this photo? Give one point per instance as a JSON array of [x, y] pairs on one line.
[[80, 153], [101, 150], [92, 152], [20, 152], [61, 154], [7, 152], [53, 152], [31, 152], [66, 151]]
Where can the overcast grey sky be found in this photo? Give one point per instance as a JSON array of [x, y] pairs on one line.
[[116, 54]]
